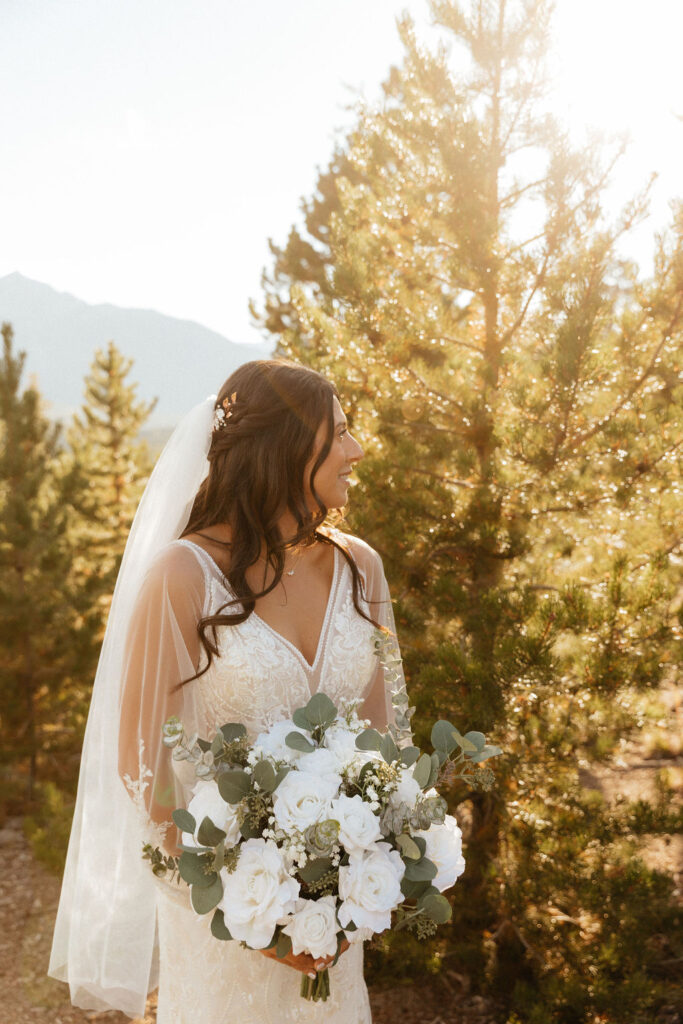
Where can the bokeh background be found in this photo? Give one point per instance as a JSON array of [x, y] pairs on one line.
[[469, 215]]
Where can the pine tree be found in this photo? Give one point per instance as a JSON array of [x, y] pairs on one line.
[[114, 463], [518, 390], [43, 622]]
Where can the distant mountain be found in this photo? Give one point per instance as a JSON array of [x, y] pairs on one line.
[[177, 361]]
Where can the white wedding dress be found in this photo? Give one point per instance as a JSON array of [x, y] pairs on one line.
[[258, 678]]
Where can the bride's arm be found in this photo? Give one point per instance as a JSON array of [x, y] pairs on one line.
[[162, 650], [378, 705]]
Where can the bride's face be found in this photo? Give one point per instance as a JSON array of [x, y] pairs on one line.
[[332, 478]]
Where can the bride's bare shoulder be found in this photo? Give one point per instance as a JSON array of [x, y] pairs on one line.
[[217, 548]]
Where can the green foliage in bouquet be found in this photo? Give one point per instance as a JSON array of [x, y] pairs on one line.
[[248, 786]]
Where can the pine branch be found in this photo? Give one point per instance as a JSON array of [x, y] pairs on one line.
[[600, 424]]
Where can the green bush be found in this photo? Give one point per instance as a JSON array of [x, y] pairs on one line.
[[47, 828]]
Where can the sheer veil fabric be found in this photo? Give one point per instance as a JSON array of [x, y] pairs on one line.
[[104, 936], [105, 942]]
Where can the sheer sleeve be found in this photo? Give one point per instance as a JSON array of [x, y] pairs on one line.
[[162, 650], [386, 701]]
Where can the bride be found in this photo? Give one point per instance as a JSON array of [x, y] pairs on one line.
[[237, 600]]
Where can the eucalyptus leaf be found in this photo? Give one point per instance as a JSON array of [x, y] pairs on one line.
[[314, 869], [465, 744], [434, 774], [218, 927], [184, 820], [388, 749], [191, 869], [282, 774], [421, 871], [264, 774], [483, 755], [233, 731], [369, 739], [219, 857], [194, 849], [217, 744], [408, 846], [409, 755], [422, 770], [203, 745], [300, 718], [205, 898], [249, 831], [436, 907], [233, 786], [421, 844], [477, 738], [369, 766], [443, 736], [208, 834], [320, 710], [295, 741], [413, 890], [284, 945]]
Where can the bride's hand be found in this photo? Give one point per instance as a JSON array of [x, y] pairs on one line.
[[304, 962]]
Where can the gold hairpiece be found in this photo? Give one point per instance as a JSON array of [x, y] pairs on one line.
[[224, 411]]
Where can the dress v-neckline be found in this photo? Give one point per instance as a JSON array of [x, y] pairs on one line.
[[310, 668]]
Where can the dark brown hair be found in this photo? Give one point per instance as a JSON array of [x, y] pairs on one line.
[[257, 463]]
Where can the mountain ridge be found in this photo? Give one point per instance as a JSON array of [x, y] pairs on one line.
[[177, 361]]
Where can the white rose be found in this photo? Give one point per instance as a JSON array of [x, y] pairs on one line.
[[444, 848], [342, 742], [313, 927], [273, 744], [370, 886], [257, 893], [408, 791], [208, 803], [321, 762], [303, 799], [358, 824]]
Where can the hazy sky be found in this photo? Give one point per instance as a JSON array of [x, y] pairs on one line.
[[151, 147]]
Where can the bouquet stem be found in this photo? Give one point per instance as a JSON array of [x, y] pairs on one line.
[[317, 988]]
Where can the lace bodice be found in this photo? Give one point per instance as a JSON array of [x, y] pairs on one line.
[[260, 677]]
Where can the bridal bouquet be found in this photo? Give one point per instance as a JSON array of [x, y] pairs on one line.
[[320, 830]]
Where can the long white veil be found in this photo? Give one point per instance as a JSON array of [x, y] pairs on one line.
[[104, 940]]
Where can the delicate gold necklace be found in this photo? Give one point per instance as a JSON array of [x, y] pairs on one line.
[[298, 550]]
